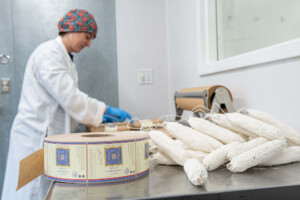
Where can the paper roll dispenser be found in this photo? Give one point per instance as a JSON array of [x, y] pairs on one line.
[[203, 100]]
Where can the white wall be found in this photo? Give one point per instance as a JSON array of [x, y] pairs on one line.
[[142, 43], [165, 34], [272, 87]]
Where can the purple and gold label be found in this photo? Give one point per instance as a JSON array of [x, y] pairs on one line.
[[113, 156], [63, 157], [146, 150]]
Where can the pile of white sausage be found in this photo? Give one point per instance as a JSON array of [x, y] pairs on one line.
[[240, 140]]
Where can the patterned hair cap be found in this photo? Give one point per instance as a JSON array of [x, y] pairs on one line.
[[78, 20]]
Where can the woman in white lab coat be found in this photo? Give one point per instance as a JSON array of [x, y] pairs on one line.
[[51, 102]]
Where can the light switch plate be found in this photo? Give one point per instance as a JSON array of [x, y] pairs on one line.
[[145, 76]]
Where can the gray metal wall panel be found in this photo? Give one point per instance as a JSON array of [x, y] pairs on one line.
[[7, 107], [97, 65], [34, 22]]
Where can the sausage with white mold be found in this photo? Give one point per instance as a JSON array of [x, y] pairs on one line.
[[199, 155], [256, 156], [182, 144], [288, 155], [195, 171], [218, 157], [223, 121], [168, 146], [243, 147], [254, 126], [194, 139], [152, 147], [222, 134], [290, 134], [162, 159]]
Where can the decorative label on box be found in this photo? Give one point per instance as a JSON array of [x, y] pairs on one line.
[[113, 156], [63, 157], [146, 150]]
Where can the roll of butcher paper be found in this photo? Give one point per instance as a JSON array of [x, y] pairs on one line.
[[198, 103], [96, 157]]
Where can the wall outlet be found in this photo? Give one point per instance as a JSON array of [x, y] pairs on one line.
[[145, 76], [5, 85]]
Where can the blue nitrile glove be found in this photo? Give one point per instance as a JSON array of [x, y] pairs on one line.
[[119, 114], [108, 119]]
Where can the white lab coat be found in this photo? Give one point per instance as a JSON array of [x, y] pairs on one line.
[[50, 104]]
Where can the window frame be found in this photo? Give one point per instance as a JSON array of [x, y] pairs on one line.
[[208, 46]]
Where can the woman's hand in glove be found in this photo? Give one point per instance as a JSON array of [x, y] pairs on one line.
[[108, 119], [116, 114]]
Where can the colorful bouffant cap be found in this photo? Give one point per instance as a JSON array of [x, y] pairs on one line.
[[78, 20]]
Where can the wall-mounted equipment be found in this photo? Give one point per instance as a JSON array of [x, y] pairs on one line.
[[203, 100], [5, 86], [4, 59]]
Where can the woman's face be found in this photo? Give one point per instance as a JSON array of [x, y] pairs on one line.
[[79, 40]]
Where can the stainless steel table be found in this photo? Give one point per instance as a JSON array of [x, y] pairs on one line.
[[170, 182]]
